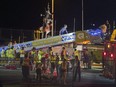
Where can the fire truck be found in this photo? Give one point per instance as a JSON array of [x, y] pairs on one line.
[[109, 59]]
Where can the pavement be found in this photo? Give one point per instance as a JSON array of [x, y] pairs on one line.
[[89, 78]]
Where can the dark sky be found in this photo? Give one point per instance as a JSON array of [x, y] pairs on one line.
[[25, 14]]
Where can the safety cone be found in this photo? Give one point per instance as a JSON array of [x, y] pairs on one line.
[[55, 72]]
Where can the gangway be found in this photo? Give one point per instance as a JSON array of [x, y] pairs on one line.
[[51, 41]]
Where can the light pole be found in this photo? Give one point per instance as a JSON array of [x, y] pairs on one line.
[[52, 17], [82, 17]]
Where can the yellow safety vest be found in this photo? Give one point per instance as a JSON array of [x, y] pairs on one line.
[[76, 53], [60, 61], [22, 53], [39, 58], [7, 53], [53, 59], [11, 53]]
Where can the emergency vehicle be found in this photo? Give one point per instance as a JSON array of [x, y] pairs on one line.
[[109, 57]]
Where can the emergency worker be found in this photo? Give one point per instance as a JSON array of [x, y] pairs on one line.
[[50, 52], [32, 55], [12, 54], [22, 55], [39, 65], [25, 67], [64, 71], [41, 58], [38, 71], [76, 69], [7, 55], [52, 59], [76, 54], [58, 64]]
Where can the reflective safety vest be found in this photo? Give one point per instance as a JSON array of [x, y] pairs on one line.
[[53, 58], [60, 61], [50, 54], [41, 53], [39, 58], [76, 53], [22, 53], [11, 53], [7, 53], [33, 54]]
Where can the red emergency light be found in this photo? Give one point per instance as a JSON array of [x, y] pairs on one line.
[[112, 55], [104, 53]]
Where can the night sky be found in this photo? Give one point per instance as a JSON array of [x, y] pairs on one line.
[[25, 14]]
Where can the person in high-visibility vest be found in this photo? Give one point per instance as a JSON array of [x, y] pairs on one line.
[[52, 59], [39, 57], [26, 67], [58, 64], [11, 54], [50, 52], [22, 55], [76, 69], [32, 55], [64, 71], [41, 52], [76, 53], [38, 71], [7, 55]]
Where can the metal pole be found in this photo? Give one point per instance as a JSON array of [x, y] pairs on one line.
[[115, 70], [52, 17], [82, 17]]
